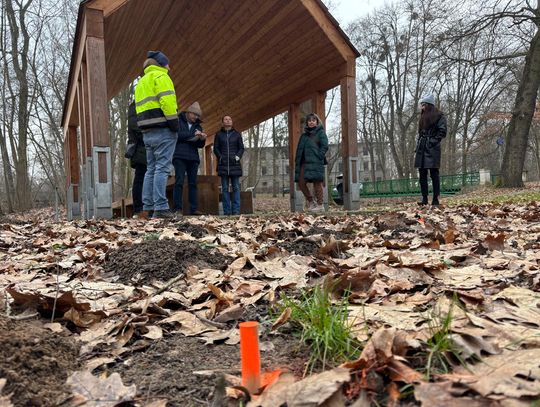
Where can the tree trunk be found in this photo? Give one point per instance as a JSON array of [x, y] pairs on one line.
[[520, 124]]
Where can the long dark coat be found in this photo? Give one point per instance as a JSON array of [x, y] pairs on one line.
[[135, 136], [428, 145], [228, 144], [311, 151], [188, 144]]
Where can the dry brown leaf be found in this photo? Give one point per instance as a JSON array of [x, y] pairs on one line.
[[310, 392], [188, 323], [152, 332], [157, 403], [282, 319], [4, 400], [93, 364], [442, 395], [220, 294], [334, 247], [84, 319], [45, 304], [233, 313], [100, 392], [495, 242], [449, 236], [511, 374]]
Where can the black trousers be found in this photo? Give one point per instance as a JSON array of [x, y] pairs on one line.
[[136, 190], [435, 180]]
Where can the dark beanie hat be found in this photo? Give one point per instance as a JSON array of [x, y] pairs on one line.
[[159, 57]]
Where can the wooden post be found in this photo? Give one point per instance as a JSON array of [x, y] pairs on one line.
[[294, 136], [351, 191], [208, 167], [72, 173], [97, 112]]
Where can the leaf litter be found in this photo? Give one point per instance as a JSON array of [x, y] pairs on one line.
[[159, 304]]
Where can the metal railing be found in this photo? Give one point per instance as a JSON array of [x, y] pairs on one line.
[[450, 184]]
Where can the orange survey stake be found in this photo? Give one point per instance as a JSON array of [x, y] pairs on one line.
[[250, 356]]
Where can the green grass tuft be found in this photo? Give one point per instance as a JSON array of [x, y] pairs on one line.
[[324, 326]]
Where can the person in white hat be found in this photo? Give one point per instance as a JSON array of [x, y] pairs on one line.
[[431, 130], [186, 160]]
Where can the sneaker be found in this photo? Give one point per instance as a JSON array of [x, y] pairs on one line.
[[318, 208], [164, 214], [141, 215]]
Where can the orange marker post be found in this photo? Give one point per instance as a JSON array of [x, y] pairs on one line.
[[250, 356]]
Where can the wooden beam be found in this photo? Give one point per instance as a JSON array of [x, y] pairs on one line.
[[329, 28], [318, 102], [107, 7], [294, 136], [94, 20], [73, 156], [97, 91], [86, 125]]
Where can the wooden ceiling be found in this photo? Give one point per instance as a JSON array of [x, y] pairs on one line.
[[247, 58]]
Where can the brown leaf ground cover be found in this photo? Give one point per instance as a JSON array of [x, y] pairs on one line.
[[445, 304]]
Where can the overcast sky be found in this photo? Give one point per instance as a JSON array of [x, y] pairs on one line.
[[349, 10]]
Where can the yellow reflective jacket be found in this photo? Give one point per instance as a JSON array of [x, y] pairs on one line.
[[155, 100]]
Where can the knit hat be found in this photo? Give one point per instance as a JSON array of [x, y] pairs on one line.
[[159, 57], [428, 99], [195, 108]]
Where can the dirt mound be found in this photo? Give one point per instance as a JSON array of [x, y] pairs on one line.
[[166, 369], [161, 260], [36, 363], [300, 247], [193, 230], [339, 235]]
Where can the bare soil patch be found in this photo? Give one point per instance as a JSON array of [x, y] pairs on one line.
[[36, 363], [172, 368], [161, 260]]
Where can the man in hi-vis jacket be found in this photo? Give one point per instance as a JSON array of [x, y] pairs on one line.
[[157, 117]]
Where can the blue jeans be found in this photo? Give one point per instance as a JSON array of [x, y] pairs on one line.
[[160, 144], [181, 167], [136, 191], [235, 181]]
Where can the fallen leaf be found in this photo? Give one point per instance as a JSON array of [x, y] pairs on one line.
[[4, 400], [282, 319], [188, 323], [153, 332], [99, 392], [495, 242], [511, 374], [310, 392]]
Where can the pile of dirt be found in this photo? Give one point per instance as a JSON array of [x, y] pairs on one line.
[[36, 363], [166, 369], [300, 247], [160, 260], [339, 235], [194, 230]]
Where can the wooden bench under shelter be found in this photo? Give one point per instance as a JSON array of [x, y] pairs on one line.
[[248, 59]]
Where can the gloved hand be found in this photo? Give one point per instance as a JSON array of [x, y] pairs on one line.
[[236, 158]]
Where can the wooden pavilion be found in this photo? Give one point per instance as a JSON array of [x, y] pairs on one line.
[[249, 59]]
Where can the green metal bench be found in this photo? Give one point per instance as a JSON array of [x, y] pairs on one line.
[[450, 184]]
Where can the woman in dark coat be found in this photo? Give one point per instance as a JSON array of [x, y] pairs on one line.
[[431, 130], [310, 161], [137, 160], [229, 148]]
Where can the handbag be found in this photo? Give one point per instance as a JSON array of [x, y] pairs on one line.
[[130, 150]]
